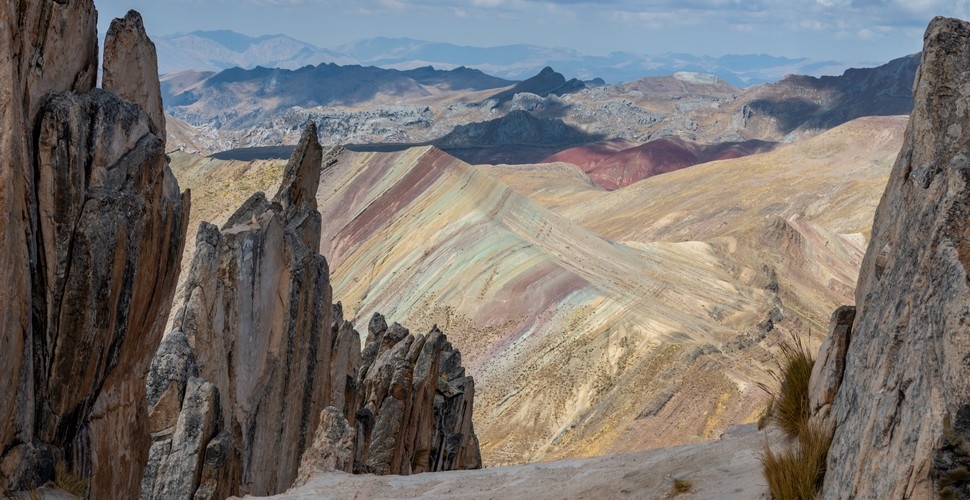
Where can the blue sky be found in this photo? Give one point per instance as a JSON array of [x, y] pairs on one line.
[[846, 30]]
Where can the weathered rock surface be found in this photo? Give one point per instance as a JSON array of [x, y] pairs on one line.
[[257, 326], [411, 407], [332, 449], [91, 238], [830, 366], [257, 314], [903, 409], [415, 404], [130, 67]]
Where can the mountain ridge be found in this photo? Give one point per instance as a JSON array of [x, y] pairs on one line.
[[204, 50]]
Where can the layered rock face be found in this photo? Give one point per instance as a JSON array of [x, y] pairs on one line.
[[902, 412], [91, 237], [260, 361]]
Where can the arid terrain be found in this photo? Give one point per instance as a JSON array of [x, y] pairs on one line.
[[728, 468], [246, 108], [651, 311], [465, 286]]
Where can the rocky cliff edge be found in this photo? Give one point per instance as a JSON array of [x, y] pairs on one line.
[[893, 380]]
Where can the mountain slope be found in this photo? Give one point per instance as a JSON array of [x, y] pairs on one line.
[[431, 239], [242, 98], [613, 167], [803, 210], [368, 105], [581, 344]]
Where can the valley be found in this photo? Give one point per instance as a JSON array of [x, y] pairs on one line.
[[652, 310], [252, 266], [666, 234]]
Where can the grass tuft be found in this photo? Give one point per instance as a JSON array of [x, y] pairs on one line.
[[682, 485], [789, 407], [65, 480], [796, 473]]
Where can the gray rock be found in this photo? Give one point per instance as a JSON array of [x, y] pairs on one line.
[[181, 470], [257, 312], [903, 410], [220, 470], [414, 404], [171, 368], [830, 365], [332, 449]]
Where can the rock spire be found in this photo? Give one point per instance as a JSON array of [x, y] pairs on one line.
[[92, 226]]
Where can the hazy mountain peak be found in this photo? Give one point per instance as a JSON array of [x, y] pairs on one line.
[[222, 49], [232, 40]]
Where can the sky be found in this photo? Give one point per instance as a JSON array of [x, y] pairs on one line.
[[862, 31]]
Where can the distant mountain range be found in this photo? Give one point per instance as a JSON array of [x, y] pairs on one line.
[[241, 98], [218, 50], [483, 119]]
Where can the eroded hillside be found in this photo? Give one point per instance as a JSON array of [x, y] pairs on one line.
[[597, 324]]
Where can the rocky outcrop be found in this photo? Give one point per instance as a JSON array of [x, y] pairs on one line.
[[411, 407], [903, 408], [547, 82], [91, 237], [262, 371], [256, 316], [415, 404], [829, 368], [332, 448], [131, 67]]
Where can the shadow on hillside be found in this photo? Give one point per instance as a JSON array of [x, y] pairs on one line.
[[789, 114], [882, 91]]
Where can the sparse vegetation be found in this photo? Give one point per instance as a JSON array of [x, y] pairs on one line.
[[65, 480], [788, 407], [680, 486], [796, 472]]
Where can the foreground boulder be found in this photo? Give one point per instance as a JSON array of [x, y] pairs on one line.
[[91, 232], [902, 412]]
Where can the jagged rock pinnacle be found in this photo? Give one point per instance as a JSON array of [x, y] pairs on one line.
[[301, 177], [130, 67]]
